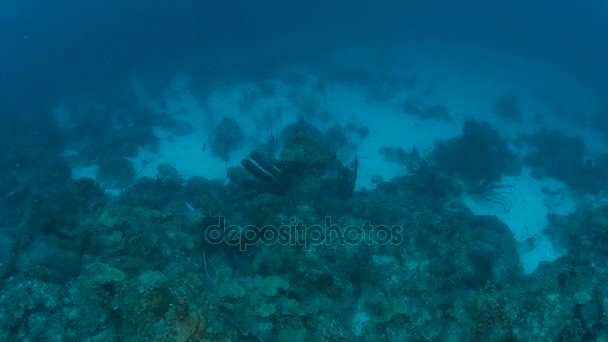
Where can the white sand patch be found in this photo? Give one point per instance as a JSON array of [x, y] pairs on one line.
[[185, 154], [84, 172], [524, 208]]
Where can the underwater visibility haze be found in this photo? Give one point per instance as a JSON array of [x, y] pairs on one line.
[[292, 171]]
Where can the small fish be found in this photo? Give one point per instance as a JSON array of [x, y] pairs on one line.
[[163, 105], [204, 147], [189, 206]]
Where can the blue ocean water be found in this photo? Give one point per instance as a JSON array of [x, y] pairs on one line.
[[331, 170]]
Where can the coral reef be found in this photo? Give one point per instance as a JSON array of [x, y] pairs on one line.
[[287, 251], [227, 137], [508, 107], [480, 153], [416, 107], [563, 157]]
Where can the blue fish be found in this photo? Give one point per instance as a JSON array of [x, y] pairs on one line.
[[189, 206]]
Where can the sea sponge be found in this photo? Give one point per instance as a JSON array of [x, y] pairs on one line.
[[100, 273], [186, 328]]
